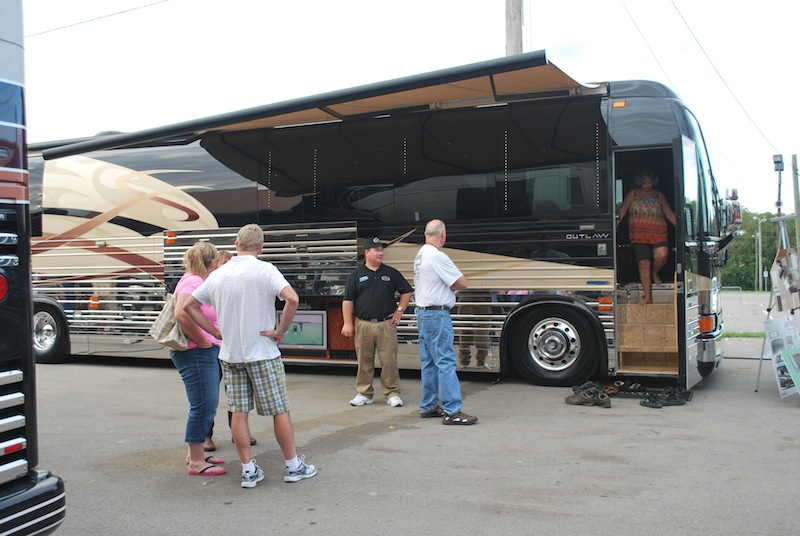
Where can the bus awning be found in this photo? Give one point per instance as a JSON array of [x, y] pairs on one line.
[[522, 77]]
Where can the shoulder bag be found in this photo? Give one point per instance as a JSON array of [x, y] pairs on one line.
[[165, 329]]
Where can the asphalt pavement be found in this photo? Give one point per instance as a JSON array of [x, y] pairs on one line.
[[744, 312], [720, 464]]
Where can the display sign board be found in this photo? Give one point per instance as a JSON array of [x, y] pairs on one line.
[[782, 337]]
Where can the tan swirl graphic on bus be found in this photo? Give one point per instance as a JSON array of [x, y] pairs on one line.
[[93, 246]]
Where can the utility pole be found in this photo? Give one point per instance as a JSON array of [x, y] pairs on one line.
[[513, 27], [759, 246]]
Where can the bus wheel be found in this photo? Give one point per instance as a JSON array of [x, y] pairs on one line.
[[554, 346], [49, 331]]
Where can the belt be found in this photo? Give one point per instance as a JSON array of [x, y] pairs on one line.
[[376, 319], [435, 308]]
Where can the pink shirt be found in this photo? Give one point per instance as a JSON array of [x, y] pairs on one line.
[[187, 284]]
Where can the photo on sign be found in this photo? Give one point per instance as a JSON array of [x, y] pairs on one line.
[[791, 362]]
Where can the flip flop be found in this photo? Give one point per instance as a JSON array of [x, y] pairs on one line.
[[211, 459], [209, 470]]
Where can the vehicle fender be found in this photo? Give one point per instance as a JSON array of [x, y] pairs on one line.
[[551, 301]]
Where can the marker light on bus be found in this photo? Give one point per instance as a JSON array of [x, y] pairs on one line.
[[94, 302], [706, 323], [605, 304], [14, 447], [619, 104], [3, 287], [169, 238]]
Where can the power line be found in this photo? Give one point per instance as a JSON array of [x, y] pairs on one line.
[[722, 78], [95, 19]]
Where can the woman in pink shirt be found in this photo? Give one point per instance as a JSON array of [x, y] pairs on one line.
[[198, 365]]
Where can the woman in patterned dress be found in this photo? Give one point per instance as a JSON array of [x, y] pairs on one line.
[[648, 212]]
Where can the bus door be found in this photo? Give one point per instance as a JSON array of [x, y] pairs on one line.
[[690, 282], [647, 334]]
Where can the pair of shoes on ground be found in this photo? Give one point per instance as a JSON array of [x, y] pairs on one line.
[[457, 418], [629, 387], [587, 385], [589, 397], [251, 478], [361, 400], [659, 400]]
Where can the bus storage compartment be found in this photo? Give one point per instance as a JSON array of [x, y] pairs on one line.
[[648, 333]]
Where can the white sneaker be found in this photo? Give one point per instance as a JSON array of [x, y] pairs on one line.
[[250, 480], [360, 400], [395, 401]]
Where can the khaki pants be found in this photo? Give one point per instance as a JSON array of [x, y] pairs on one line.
[[380, 338]]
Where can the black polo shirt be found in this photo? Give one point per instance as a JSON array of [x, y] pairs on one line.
[[373, 293]]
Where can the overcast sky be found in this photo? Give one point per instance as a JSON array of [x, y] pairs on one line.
[[88, 70]]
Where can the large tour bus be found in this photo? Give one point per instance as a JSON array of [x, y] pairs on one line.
[[32, 500], [527, 167]]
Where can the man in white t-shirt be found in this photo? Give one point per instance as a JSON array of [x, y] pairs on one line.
[[436, 278], [243, 294]]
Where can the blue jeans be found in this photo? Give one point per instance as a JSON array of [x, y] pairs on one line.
[[199, 369], [438, 362]]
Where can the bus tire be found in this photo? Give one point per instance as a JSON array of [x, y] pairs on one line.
[[554, 345], [49, 334]]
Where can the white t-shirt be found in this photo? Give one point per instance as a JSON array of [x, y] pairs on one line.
[[434, 273], [243, 293]]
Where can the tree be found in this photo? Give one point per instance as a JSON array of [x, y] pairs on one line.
[[742, 264]]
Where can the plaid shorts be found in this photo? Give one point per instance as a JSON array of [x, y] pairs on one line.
[[262, 382]]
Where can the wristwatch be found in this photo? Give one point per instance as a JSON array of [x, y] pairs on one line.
[[282, 333], [400, 309]]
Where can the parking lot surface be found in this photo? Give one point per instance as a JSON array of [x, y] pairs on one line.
[[721, 464]]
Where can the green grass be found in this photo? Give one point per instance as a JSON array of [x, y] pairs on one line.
[[743, 335]]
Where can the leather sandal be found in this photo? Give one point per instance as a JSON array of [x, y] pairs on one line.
[[651, 401]]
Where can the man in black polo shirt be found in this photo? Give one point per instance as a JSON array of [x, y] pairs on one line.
[[370, 295]]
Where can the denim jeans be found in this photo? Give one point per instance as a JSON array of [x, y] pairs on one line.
[[199, 369], [438, 362]]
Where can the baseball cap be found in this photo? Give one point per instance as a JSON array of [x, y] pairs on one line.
[[373, 242]]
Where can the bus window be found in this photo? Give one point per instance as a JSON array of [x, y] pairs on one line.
[[690, 191], [458, 197], [560, 192], [709, 222]]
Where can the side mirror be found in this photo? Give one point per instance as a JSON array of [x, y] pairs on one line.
[[732, 210]]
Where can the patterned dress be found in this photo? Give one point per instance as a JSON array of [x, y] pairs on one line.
[[646, 221]]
